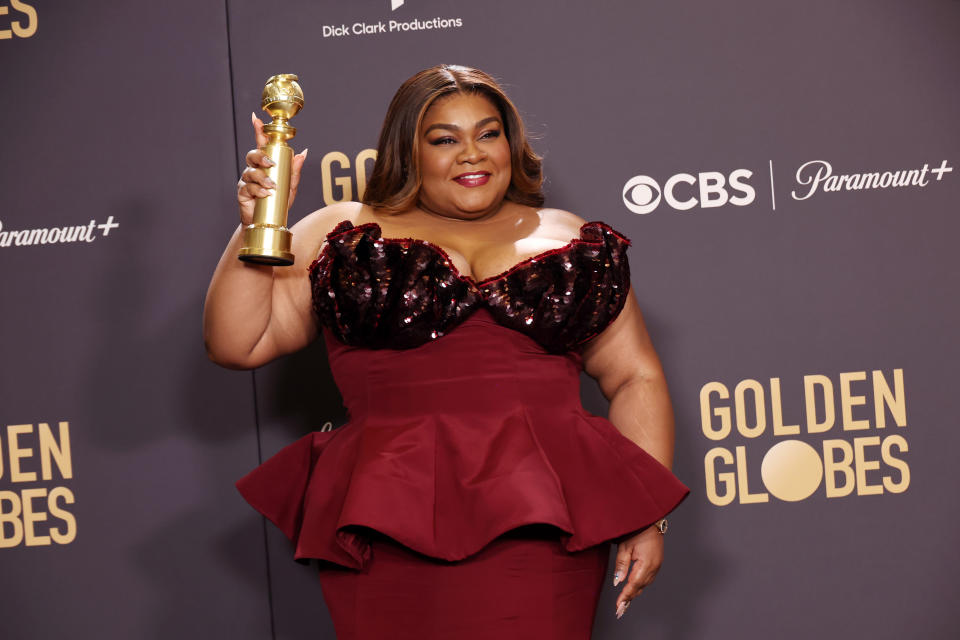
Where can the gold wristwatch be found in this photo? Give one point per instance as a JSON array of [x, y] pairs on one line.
[[661, 525]]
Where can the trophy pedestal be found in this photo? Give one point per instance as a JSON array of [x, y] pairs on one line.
[[264, 244]]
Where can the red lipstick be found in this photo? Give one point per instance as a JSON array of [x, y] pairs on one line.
[[473, 178]]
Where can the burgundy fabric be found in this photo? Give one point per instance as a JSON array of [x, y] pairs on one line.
[[451, 444], [472, 426], [522, 586]]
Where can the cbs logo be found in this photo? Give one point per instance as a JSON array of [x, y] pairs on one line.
[[709, 189]]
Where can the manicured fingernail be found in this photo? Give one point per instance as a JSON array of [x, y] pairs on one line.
[[268, 162], [304, 153], [617, 577], [253, 116], [621, 608], [271, 183]]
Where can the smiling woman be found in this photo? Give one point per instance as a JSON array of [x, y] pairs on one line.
[[464, 158], [393, 185], [470, 495]]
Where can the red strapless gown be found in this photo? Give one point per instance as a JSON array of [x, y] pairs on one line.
[[473, 429]]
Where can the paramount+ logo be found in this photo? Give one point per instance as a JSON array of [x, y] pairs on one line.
[[684, 191]]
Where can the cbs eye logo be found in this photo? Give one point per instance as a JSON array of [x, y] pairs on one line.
[[708, 189]]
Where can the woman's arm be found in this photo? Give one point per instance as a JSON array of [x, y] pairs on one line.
[[255, 313], [624, 363]]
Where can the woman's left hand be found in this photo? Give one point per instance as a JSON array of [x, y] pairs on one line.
[[645, 551]]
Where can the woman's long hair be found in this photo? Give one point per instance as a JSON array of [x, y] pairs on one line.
[[394, 184]]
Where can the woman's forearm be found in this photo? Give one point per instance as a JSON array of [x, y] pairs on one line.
[[642, 411]]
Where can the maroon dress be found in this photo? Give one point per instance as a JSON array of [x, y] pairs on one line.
[[470, 495]]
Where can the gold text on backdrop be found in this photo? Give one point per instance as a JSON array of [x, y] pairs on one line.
[[36, 516], [842, 446], [18, 26]]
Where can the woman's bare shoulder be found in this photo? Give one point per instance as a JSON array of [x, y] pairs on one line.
[[322, 221], [311, 231], [560, 223]]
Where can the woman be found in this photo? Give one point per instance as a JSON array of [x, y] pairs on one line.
[[470, 495]]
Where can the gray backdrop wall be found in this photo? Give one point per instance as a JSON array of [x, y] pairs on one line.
[[786, 171]]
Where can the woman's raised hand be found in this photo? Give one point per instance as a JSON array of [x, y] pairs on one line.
[[254, 182]]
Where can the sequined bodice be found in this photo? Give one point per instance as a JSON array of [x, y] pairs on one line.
[[399, 293]]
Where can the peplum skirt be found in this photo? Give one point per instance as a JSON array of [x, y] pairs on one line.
[[469, 493]]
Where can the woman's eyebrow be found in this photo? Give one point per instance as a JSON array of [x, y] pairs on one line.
[[453, 127]]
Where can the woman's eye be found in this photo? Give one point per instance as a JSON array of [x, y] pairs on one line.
[[444, 140], [490, 134]]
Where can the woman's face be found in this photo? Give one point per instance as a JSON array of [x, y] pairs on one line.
[[464, 157]]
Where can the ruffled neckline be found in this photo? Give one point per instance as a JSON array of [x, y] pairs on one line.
[[399, 293], [589, 233]]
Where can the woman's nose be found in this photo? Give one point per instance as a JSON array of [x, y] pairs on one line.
[[471, 152]]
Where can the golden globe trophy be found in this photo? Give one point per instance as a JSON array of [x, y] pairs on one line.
[[267, 240]]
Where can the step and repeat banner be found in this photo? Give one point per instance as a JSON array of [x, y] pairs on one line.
[[788, 174]]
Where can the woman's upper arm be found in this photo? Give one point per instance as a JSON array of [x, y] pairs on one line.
[[293, 324], [623, 352]]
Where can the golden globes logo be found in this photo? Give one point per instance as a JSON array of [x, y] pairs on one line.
[[21, 27], [848, 447], [342, 178], [32, 515]]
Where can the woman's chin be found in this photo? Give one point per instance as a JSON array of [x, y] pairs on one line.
[[467, 209]]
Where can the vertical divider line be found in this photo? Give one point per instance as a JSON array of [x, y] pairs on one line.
[[253, 374], [263, 520], [773, 195]]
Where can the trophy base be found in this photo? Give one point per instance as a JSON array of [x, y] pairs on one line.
[[274, 261], [266, 245]]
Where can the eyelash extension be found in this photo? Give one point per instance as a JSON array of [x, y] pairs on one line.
[[446, 139]]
